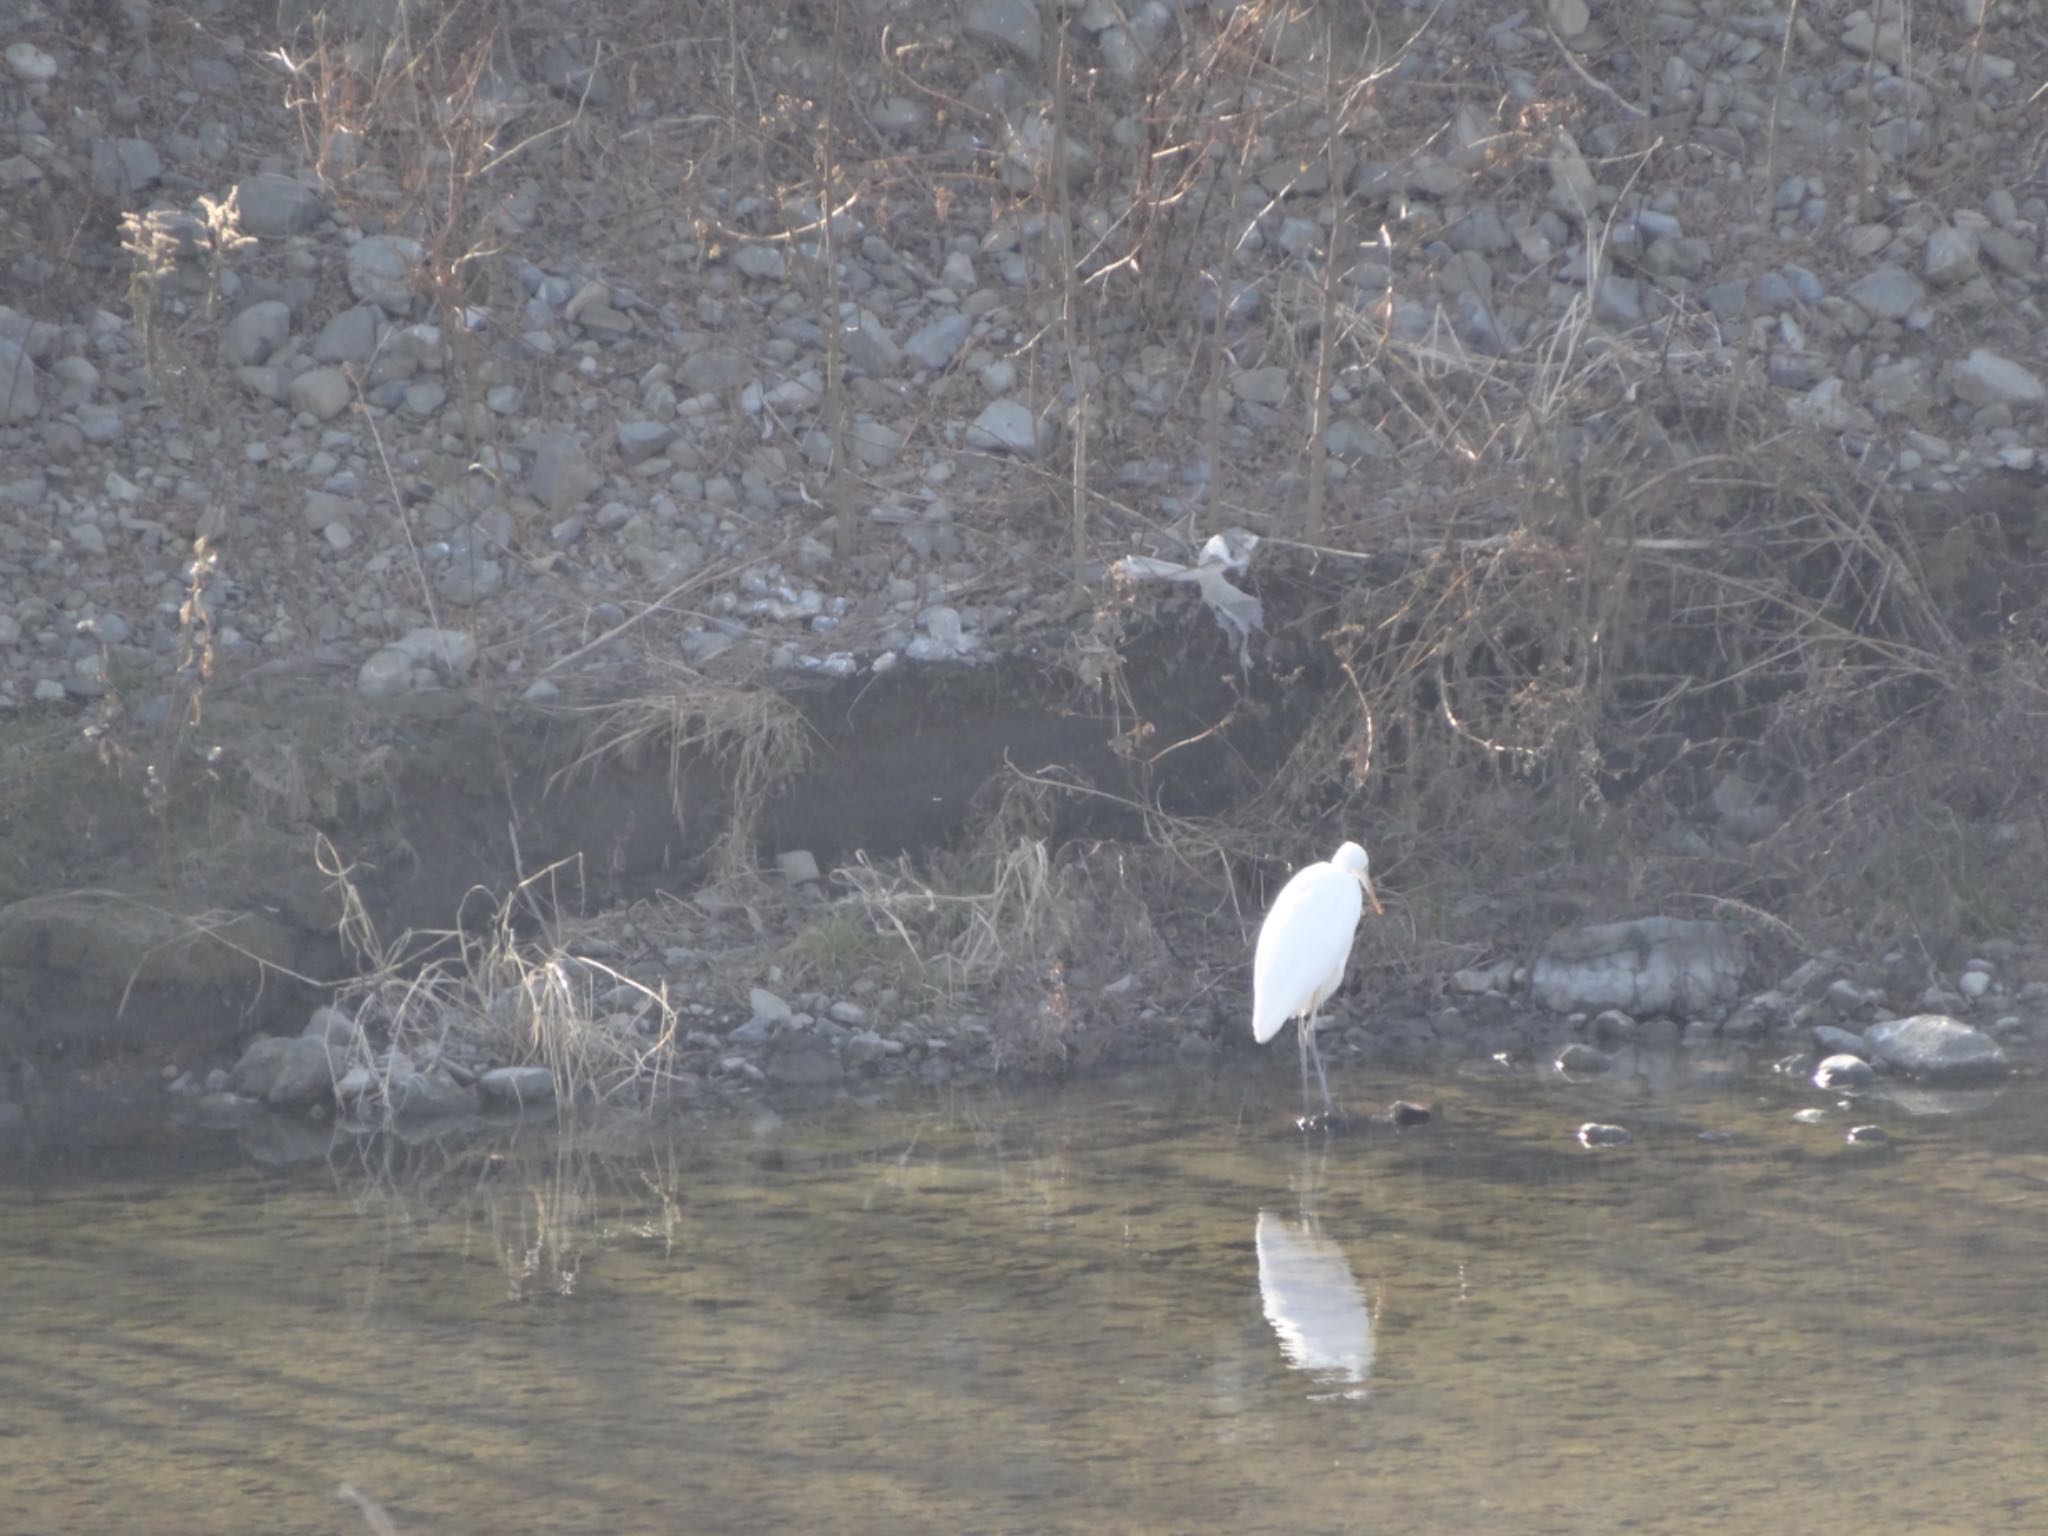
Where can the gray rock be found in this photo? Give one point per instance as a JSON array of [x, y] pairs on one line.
[[272, 205], [1727, 300], [1806, 285], [935, 345], [1655, 965], [285, 1070], [385, 674], [765, 262], [255, 332], [899, 116], [1007, 426], [766, 1005], [865, 1048], [643, 439], [322, 393], [1582, 1060], [512, 1087], [330, 1026], [450, 652], [1618, 301], [1984, 378], [1934, 1046], [755, 1031], [1887, 292], [412, 1097], [869, 346], [1482, 230], [17, 383], [803, 1061], [96, 423], [1011, 24], [711, 372], [349, 337], [1951, 256], [381, 269], [1594, 1134], [1261, 386], [123, 167], [1610, 1027], [1347, 438], [562, 477], [2007, 252], [874, 444], [422, 399], [1844, 1072], [1838, 1042], [31, 63]]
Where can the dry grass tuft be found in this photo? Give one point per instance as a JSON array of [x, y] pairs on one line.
[[489, 993]]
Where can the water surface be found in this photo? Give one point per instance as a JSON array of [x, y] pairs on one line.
[[1144, 1307]]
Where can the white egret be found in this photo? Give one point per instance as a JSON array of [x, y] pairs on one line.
[[1304, 945]]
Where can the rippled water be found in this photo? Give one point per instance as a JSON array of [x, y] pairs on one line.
[[1145, 1307]]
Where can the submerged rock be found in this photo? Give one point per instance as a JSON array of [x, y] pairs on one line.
[[1594, 1134], [1937, 1047]]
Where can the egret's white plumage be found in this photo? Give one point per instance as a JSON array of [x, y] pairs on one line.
[[1304, 945]]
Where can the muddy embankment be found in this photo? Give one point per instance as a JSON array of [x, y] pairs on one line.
[[161, 916]]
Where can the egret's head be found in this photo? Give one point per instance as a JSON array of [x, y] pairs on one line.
[[1352, 860]]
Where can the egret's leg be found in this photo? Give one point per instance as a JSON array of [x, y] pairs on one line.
[[1304, 1036], [1315, 1052]]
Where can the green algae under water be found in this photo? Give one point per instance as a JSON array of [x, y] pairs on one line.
[[1147, 1306]]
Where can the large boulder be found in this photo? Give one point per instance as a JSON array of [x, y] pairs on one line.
[[1936, 1047]]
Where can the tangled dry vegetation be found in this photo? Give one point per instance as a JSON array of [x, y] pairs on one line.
[[511, 981]]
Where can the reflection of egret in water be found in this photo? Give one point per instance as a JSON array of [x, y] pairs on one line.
[[1315, 1303]]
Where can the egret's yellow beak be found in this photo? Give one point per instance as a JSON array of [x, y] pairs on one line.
[[1372, 896]]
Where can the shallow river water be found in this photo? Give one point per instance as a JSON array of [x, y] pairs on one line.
[[1146, 1306]]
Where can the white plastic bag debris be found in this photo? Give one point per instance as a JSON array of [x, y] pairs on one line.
[[1238, 613]]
